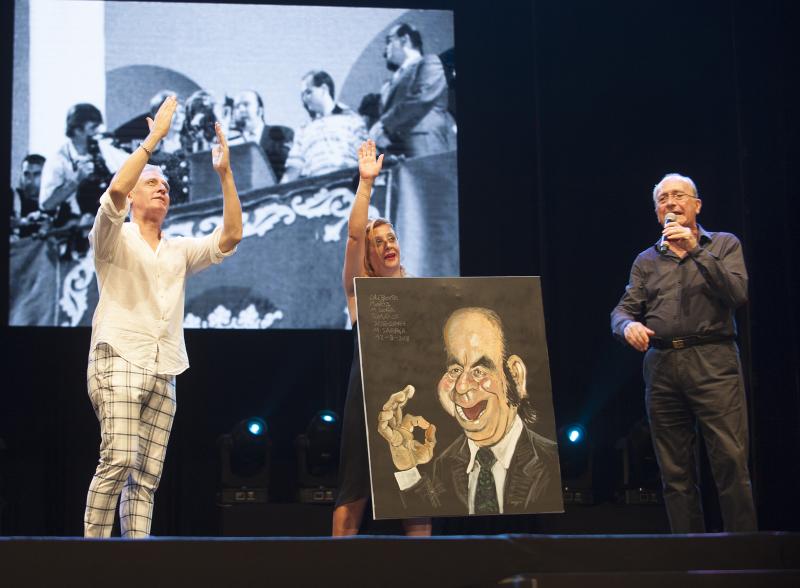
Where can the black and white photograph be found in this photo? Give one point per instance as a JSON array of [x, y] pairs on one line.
[[297, 89]]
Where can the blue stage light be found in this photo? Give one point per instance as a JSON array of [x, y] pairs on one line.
[[256, 426], [328, 416], [575, 434]]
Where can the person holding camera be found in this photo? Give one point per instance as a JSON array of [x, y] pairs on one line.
[[202, 112], [76, 175]]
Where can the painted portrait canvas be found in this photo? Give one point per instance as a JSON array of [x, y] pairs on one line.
[[457, 397]]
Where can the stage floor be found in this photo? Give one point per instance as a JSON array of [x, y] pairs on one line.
[[540, 561]]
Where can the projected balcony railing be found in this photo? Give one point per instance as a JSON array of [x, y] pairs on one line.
[[287, 271]]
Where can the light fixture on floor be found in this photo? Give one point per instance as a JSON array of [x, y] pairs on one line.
[[245, 462], [318, 458]]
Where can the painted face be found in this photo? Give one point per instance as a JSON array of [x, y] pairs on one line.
[[678, 197], [246, 109], [31, 178], [474, 388], [384, 251], [150, 196]]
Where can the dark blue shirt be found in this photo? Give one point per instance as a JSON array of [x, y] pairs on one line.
[[696, 295]]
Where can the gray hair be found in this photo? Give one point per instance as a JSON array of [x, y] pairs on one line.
[[673, 176], [150, 167]]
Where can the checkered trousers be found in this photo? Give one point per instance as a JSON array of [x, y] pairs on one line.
[[135, 408]]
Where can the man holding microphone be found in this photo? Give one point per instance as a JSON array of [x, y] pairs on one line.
[[678, 308]]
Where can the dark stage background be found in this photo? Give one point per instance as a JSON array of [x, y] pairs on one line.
[[569, 112]]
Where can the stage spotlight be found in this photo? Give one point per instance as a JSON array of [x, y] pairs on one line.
[[575, 434], [256, 426], [575, 455], [318, 458], [245, 462]]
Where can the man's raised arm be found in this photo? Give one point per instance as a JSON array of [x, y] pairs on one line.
[[231, 207], [127, 176]]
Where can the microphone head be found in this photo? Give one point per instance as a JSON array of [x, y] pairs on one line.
[[670, 217]]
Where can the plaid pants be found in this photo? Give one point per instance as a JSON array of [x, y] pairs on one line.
[[135, 409]]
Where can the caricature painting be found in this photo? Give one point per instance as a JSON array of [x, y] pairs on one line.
[[457, 397]]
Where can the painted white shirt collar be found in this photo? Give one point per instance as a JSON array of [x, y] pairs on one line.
[[503, 450]]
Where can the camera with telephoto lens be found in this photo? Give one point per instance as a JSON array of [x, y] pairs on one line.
[[92, 186]]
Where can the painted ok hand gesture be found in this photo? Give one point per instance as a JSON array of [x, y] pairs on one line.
[[398, 430]]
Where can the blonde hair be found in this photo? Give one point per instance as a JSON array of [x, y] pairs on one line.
[[372, 224]]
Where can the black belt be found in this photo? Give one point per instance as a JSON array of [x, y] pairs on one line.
[[690, 341]]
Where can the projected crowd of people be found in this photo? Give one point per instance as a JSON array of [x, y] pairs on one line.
[[411, 115]]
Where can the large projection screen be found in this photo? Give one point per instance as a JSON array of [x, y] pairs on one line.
[[77, 60]]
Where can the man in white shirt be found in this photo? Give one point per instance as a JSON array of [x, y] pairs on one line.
[[330, 141], [137, 345], [500, 465]]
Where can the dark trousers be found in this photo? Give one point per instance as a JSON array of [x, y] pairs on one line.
[[701, 388]]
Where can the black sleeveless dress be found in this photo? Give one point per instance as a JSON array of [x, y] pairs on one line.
[[353, 457]]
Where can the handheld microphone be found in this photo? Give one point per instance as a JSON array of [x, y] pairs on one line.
[[670, 217]]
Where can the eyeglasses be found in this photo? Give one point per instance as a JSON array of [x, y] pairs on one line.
[[679, 197]]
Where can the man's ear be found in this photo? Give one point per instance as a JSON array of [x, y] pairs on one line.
[[519, 372]]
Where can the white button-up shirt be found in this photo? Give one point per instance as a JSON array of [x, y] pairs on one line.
[[140, 311]]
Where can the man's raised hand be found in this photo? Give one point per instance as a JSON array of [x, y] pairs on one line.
[[160, 126], [682, 237]]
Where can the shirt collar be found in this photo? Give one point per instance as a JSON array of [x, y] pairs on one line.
[[255, 134], [410, 60], [72, 153], [503, 450], [135, 228]]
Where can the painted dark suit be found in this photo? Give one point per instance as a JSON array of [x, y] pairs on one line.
[[533, 481], [414, 110]]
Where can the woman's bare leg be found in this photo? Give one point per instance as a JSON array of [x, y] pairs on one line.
[[420, 527], [347, 518]]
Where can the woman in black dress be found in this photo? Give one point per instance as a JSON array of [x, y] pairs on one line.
[[372, 251]]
